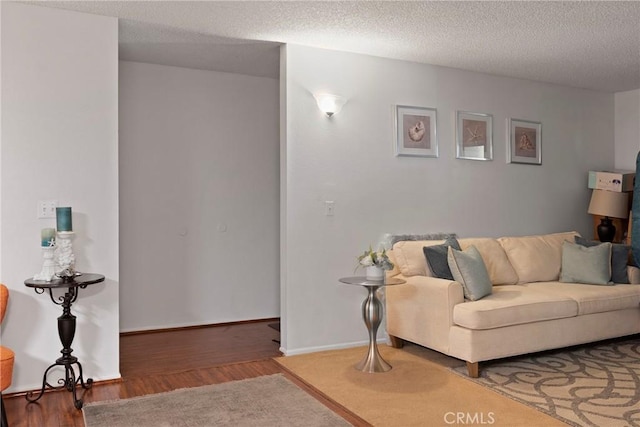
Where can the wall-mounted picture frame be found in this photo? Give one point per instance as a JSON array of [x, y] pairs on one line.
[[474, 136], [525, 142], [416, 131]]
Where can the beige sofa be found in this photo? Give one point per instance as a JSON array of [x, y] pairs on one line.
[[528, 310]]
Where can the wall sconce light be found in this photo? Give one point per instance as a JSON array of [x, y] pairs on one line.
[[329, 104]]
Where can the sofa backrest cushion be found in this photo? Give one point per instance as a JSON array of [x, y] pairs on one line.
[[495, 259], [409, 257], [536, 258], [395, 270]]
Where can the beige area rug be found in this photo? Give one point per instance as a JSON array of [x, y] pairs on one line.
[[416, 392], [264, 401], [595, 385]]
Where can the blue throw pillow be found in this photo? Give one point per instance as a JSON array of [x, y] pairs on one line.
[[619, 259], [588, 265], [469, 270], [436, 256]]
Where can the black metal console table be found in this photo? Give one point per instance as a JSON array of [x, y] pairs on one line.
[[66, 331]]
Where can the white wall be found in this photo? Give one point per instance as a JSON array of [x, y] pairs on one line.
[[199, 197], [59, 142], [350, 159], [627, 129]]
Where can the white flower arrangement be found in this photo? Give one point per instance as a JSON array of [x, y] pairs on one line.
[[371, 258]]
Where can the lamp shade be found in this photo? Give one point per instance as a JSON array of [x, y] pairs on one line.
[[609, 203], [329, 104]]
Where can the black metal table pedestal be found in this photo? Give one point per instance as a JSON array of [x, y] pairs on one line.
[[66, 332]]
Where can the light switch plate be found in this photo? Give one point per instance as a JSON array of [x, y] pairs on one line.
[[47, 208]]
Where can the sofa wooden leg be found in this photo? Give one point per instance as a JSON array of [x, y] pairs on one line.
[[396, 342], [473, 369]]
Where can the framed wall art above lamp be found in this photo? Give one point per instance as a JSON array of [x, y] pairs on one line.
[[608, 204]]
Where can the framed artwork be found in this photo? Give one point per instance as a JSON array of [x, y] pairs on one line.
[[474, 136], [416, 131], [525, 142]]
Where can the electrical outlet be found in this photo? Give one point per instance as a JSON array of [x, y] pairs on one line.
[[328, 208], [47, 208]]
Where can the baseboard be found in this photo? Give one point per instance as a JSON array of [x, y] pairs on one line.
[[341, 346], [186, 326], [37, 387]]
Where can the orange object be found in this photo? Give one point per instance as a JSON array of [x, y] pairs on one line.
[[7, 356], [4, 299], [6, 367]]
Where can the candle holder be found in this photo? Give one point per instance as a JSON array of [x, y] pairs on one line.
[[49, 265], [65, 259]]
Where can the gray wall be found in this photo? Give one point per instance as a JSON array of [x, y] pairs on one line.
[[198, 197], [59, 142], [350, 159]]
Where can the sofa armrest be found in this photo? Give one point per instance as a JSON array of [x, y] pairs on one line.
[[421, 310], [634, 274]]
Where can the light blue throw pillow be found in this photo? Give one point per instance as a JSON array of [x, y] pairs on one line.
[[619, 259], [469, 270], [588, 265]]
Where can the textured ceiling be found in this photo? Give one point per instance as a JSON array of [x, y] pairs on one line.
[[585, 44]]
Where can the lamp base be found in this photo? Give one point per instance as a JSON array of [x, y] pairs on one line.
[[606, 230]]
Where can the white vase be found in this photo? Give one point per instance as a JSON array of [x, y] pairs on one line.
[[374, 273]]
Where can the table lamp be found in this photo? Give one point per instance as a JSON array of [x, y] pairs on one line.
[[608, 204]]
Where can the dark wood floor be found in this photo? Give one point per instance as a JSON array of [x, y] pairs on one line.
[[163, 361]]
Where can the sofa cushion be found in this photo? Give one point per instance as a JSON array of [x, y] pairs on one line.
[[513, 305], [395, 270], [634, 274], [410, 258], [593, 298], [590, 265], [536, 258], [495, 259], [436, 256], [619, 259], [468, 269]]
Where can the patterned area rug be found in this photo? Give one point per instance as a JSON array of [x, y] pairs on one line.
[[597, 385], [263, 401]]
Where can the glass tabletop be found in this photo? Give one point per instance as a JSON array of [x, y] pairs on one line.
[[363, 281]]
